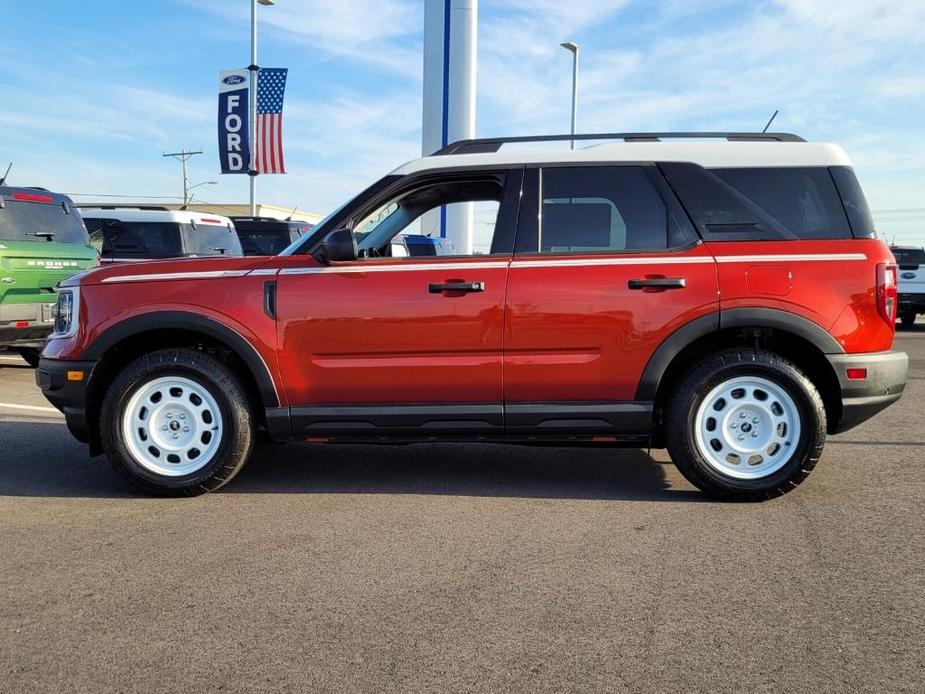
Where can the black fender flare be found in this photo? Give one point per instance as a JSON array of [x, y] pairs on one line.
[[700, 327], [182, 320]]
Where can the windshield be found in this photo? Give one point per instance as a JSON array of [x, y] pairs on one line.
[[35, 221], [909, 256], [209, 239]]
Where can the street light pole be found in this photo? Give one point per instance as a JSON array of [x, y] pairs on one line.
[[573, 49]]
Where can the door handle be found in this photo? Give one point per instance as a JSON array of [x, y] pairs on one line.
[[659, 283], [440, 287]]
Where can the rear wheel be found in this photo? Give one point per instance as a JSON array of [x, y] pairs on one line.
[[746, 424], [907, 318], [176, 422], [30, 355]]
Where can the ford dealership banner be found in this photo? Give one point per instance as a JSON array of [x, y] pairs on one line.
[[233, 145]]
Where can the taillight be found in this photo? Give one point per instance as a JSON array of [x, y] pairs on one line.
[[886, 291]]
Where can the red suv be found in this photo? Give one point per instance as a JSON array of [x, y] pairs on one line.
[[722, 295]]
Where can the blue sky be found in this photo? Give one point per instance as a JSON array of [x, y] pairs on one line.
[[94, 91]]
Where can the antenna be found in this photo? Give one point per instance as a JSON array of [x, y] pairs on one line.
[[776, 111], [3, 180], [294, 210]]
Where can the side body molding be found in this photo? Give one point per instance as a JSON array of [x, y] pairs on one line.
[[722, 320], [181, 320]]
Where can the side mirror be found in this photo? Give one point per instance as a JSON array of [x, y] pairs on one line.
[[339, 245]]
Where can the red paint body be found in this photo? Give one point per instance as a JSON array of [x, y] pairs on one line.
[[558, 332]]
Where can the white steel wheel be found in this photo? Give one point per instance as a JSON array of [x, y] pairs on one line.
[[747, 427], [172, 426]]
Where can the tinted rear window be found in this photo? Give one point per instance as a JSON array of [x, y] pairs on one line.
[[909, 256], [117, 239], [862, 221], [803, 200], [20, 221], [208, 239], [265, 242]]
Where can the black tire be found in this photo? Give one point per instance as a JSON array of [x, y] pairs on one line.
[[237, 437], [30, 355], [680, 424], [907, 318]]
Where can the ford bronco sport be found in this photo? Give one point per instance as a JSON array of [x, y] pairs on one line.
[[721, 295], [42, 241]]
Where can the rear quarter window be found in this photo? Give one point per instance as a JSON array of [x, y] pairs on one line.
[[765, 203]]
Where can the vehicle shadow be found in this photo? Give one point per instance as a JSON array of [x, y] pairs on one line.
[[41, 460]]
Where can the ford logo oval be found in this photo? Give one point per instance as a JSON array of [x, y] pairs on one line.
[[908, 275], [233, 79]]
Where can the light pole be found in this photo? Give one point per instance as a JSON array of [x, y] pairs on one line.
[[188, 198], [252, 96], [573, 49]]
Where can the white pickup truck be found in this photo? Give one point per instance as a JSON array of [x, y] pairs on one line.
[[911, 261]]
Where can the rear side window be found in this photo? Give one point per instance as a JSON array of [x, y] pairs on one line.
[[862, 221], [266, 241], [803, 200], [602, 209], [767, 203]]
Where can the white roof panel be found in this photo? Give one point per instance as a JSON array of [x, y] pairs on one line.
[[711, 154]]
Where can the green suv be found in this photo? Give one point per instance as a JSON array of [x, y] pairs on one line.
[[42, 241]]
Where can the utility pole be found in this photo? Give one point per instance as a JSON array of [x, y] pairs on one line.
[[184, 156]]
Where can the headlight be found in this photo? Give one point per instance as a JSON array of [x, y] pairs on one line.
[[66, 310]]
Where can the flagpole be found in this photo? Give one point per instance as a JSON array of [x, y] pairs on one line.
[[252, 120]]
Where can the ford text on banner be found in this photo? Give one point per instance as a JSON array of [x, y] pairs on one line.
[[233, 145], [268, 152]]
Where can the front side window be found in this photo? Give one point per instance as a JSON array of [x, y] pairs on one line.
[[602, 209], [433, 210]]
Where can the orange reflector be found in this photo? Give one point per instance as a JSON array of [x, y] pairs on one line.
[[856, 374], [75, 375]]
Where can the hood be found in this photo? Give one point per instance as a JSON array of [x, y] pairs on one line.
[[169, 270]]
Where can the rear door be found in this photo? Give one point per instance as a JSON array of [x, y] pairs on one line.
[[606, 268]]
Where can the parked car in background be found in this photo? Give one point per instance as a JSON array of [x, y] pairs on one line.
[[419, 244], [42, 241], [911, 261], [726, 299], [126, 234], [266, 235]]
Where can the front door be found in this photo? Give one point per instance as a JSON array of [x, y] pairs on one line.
[[606, 268], [402, 345]]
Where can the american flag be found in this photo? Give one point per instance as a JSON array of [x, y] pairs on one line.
[[268, 150]]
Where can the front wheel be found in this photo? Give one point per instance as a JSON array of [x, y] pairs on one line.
[[176, 422], [745, 424]]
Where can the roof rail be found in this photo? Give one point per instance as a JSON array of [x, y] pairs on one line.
[[493, 144], [97, 206]]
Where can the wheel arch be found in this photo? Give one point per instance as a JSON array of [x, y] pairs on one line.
[[124, 341], [796, 338]]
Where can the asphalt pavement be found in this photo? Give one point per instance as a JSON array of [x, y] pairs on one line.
[[436, 568]]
